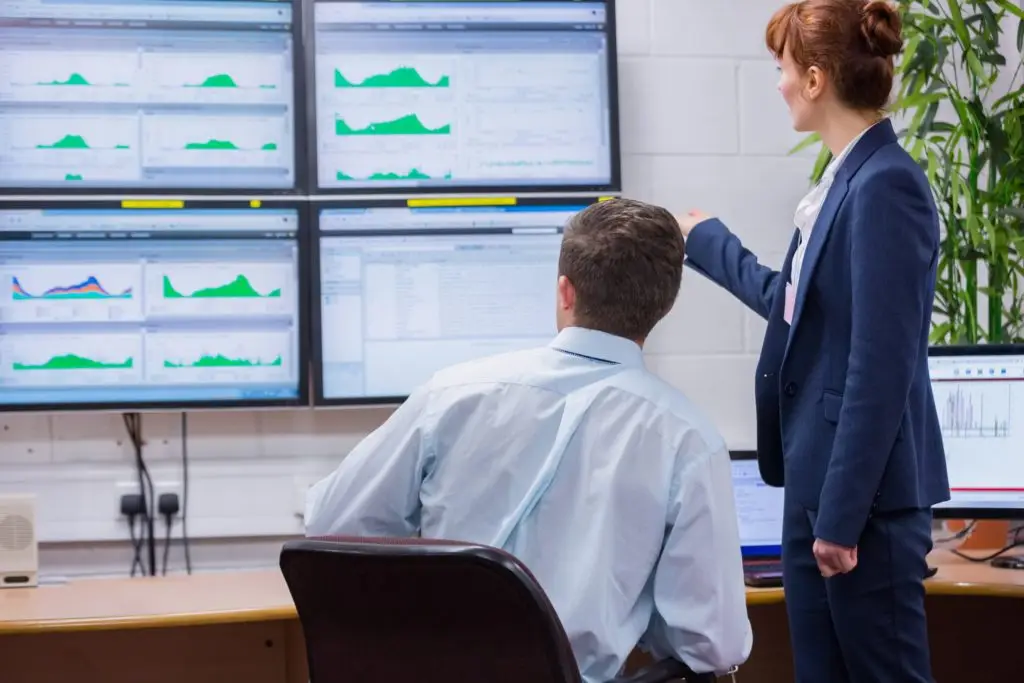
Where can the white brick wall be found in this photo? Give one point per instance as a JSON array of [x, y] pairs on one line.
[[702, 126]]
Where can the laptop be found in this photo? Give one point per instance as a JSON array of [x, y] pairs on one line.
[[759, 510]]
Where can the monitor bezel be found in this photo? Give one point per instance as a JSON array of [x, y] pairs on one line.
[[312, 172], [944, 511], [299, 144], [756, 552], [315, 312], [159, 204]]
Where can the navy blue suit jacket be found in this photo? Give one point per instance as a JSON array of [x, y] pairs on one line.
[[846, 420]]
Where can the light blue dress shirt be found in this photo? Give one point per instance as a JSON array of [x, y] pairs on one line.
[[601, 478]]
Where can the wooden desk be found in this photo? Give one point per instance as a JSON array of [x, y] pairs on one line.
[[212, 628], [206, 628]]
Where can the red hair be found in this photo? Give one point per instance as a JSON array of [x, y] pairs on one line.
[[853, 41]]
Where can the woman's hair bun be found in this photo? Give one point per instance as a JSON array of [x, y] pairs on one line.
[[882, 28]]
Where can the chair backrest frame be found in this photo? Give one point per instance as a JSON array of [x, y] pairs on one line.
[[516, 593]]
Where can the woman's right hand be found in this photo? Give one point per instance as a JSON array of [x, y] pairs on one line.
[[690, 219]]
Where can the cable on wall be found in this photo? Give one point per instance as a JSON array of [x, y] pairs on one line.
[[133, 425]]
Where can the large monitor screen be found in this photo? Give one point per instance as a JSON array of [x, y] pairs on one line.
[[147, 94], [430, 95], [136, 308], [979, 394], [406, 292]]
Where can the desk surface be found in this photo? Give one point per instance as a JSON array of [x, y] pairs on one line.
[[231, 597]]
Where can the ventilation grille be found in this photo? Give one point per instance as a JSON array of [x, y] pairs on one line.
[[16, 532]]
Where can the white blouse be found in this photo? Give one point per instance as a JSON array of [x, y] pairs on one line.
[[810, 206]]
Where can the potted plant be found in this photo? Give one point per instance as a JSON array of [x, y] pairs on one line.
[[960, 109]]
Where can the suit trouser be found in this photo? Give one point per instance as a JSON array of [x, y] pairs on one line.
[[867, 626]]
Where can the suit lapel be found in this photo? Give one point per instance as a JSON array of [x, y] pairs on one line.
[[875, 138], [819, 234]]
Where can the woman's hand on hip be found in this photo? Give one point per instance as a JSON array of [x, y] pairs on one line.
[[690, 219]]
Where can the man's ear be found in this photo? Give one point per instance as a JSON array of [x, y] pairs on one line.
[[566, 294]]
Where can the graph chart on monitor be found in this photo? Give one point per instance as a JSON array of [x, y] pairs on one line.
[[224, 142], [119, 307], [216, 290], [516, 94], [74, 149], [975, 409], [72, 292], [218, 77], [99, 94], [55, 360], [241, 357], [69, 76]]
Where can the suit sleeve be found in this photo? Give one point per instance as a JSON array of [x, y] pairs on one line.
[[894, 242], [719, 255], [375, 491]]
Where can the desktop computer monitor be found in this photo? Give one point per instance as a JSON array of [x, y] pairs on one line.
[[979, 393], [758, 509], [147, 94], [404, 292], [112, 308], [464, 95]]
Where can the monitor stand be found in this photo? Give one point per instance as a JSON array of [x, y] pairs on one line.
[[1008, 562]]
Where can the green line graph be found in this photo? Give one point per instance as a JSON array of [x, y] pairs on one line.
[[402, 77], [221, 361], [223, 81], [409, 124], [414, 174], [239, 288], [71, 141], [215, 144], [72, 361]]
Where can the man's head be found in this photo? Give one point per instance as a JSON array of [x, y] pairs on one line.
[[620, 268]]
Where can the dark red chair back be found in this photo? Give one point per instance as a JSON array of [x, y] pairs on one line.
[[426, 611]]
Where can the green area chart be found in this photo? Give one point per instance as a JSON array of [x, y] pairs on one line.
[[71, 141], [414, 174], [220, 361], [402, 77], [239, 288], [223, 81], [73, 361], [404, 125], [214, 144], [78, 79]]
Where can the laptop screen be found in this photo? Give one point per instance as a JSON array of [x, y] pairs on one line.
[[759, 509]]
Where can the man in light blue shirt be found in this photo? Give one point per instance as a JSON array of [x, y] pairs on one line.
[[604, 480]]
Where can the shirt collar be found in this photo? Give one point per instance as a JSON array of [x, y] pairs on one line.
[[833, 167], [599, 346]]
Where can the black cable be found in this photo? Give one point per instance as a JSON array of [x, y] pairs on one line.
[[169, 522], [136, 547], [1016, 543], [133, 425], [184, 492], [963, 533]]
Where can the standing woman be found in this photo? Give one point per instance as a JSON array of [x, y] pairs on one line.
[[846, 421]]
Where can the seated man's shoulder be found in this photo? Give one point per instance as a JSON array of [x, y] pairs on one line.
[[511, 366], [676, 408]]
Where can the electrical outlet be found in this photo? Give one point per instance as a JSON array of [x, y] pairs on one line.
[[160, 486]]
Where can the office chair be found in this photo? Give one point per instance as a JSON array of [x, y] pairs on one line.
[[384, 610]]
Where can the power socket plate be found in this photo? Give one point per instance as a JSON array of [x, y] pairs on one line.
[[160, 486]]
